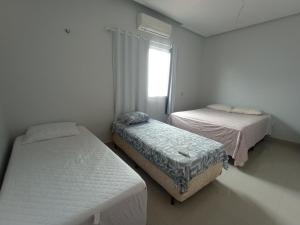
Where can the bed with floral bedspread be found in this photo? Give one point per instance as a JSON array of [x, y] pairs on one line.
[[180, 154]]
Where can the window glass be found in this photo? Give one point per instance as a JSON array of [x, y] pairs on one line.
[[158, 72]]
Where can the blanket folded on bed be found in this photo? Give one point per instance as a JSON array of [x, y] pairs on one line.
[[180, 154]]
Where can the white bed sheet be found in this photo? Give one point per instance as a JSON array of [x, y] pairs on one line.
[[238, 132], [67, 181]]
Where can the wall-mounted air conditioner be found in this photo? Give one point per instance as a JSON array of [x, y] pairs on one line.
[[154, 26]]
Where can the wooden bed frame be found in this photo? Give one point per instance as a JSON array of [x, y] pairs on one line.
[[164, 180]]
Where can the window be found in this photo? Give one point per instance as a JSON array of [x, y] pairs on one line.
[[158, 72]]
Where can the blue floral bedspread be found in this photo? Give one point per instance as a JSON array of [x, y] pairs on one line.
[[180, 154]]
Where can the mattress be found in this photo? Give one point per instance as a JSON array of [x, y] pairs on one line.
[[69, 181], [180, 154], [196, 184], [238, 132]]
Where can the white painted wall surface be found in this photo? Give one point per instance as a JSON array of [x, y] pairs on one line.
[[48, 75], [259, 67]]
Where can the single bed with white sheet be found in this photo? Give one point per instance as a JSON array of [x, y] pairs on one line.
[[69, 181], [237, 132]]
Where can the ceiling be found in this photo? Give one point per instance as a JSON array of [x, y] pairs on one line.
[[211, 17]]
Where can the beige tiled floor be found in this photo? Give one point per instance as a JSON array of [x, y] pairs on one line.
[[265, 191]]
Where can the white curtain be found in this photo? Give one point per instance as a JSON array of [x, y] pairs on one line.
[[130, 60], [172, 82]]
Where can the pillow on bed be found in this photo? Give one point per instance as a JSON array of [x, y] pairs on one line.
[[133, 118], [50, 131], [220, 107], [246, 111]]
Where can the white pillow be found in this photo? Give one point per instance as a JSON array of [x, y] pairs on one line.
[[50, 131], [246, 111], [220, 107]]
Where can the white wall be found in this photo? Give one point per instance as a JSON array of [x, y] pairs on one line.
[[259, 66], [191, 88], [48, 75]]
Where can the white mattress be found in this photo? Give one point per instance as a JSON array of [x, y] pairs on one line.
[[237, 132], [69, 180]]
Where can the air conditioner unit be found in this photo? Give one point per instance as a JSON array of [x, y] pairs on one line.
[[154, 26]]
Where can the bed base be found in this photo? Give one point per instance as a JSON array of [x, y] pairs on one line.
[[164, 180], [172, 200]]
